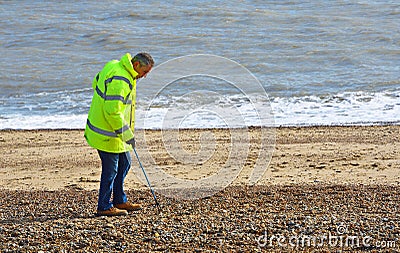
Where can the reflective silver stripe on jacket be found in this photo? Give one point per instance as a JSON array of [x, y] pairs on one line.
[[119, 98], [107, 133], [121, 78], [122, 129]]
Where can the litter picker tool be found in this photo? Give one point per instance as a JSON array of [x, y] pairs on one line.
[[147, 179]]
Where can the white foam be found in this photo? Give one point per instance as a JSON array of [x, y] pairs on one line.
[[44, 122], [342, 109], [351, 108]]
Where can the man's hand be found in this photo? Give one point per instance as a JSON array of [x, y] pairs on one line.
[[131, 142]]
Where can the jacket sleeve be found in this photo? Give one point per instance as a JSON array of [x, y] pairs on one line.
[[133, 108], [116, 109]]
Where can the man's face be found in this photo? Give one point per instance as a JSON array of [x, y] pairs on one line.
[[141, 70]]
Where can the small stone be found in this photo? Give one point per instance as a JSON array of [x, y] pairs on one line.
[[109, 225]]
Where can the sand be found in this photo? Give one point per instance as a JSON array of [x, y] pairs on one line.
[[56, 159], [325, 189]]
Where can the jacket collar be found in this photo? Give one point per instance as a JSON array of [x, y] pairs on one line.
[[126, 62]]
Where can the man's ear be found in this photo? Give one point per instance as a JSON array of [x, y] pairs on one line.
[[136, 65]]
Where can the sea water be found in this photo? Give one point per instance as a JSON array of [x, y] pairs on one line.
[[322, 62]]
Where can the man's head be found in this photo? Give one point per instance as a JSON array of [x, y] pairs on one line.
[[142, 64]]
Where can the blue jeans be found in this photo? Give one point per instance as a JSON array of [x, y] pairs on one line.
[[115, 167]]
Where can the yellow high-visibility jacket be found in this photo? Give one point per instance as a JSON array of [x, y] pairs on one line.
[[111, 117]]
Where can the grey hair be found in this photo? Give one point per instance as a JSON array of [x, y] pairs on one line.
[[144, 59]]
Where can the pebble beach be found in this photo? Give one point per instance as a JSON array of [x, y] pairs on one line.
[[326, 189], [238, 219]]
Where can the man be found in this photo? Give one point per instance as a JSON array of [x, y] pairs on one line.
[[110, 127]]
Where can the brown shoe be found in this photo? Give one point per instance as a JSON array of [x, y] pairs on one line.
[[113, 211], [128, 206]]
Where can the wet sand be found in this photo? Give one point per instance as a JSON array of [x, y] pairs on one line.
[[55, 159]]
